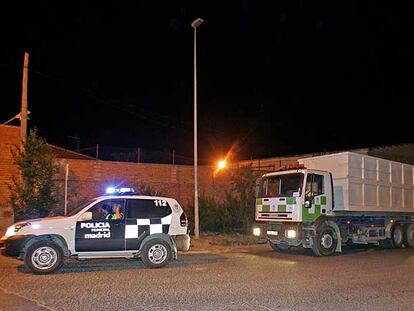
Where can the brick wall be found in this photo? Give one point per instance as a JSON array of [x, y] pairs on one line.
[[90, 178], [9, 138]]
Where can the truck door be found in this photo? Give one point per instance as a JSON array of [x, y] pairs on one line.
[[318, 194], [105, 231]]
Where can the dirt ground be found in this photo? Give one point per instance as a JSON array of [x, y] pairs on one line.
[[220, 240]]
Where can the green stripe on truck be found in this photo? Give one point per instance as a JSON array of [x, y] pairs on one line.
[[291, 200], [266, 208], [281, 208]]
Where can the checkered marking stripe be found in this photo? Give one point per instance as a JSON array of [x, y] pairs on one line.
[[281, 205], [135, 227]]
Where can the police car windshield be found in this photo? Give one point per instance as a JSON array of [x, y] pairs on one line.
[[282, 185], [78, 209]]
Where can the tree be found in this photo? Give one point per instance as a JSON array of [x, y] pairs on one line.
[[34, 193], [243, 181]]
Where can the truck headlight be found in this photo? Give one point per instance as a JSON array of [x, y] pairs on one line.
[[291, 234], [256, 231]]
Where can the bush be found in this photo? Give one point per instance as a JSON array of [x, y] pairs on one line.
[[235, 213], [231, 215], [34, 193]]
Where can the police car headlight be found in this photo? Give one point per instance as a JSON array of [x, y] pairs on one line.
[[16, 227], [291, 234], [10, 231]]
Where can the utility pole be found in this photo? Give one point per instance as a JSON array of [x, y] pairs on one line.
[[66, 188], [139, 155], [23, 112]]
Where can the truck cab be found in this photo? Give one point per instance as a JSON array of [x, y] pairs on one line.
[[289, 202], [299, 195]]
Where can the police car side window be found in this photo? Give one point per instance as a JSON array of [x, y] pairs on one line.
[[108, 210], [147, 208], [97, 212]]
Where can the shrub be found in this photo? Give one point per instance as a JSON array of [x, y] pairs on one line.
[[34, 194], [235, 213]]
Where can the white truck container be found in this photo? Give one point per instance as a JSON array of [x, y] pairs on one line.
[[332, 200], [365, 183]]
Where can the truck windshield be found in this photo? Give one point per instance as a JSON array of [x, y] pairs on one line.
[[281, 185]]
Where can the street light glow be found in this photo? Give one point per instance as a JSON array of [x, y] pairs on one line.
[[222, 164]]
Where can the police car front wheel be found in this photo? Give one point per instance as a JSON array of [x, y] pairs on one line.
[[156, 253], [44, 257]]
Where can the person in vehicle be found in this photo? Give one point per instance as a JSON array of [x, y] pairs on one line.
[[112, 212], [118, 215], [107, 211]]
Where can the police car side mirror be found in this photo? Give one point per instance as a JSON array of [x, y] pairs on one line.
[[86, 216]]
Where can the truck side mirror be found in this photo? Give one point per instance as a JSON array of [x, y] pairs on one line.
[[86, 216], [308, 204]]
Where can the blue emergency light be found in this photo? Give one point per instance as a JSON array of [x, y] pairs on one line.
[[123, 190]]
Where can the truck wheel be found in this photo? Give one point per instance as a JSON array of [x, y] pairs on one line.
[[156, 253], [396, 240], [44, 257], [409, 235], [397, 235], [279, 247], [324, 244]]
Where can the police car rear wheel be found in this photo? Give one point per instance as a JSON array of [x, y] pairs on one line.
[[44, 257], [156, 253]]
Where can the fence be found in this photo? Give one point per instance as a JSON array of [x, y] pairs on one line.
[[139, 155]]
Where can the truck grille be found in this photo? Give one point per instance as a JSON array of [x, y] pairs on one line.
[[274, 215]]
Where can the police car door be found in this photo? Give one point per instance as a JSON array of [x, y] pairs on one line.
[[145, 217], [105, 231]]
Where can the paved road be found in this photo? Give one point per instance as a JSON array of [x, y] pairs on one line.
[[247, 278]]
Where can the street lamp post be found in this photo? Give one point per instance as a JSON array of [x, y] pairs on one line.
[[197, 22]]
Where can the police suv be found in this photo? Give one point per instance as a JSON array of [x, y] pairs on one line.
[[118, 225]]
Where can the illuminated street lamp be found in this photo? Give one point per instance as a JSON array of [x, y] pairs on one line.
[[221, 164], [197, 22]]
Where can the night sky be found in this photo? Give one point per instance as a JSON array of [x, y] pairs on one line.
[[274, 77]]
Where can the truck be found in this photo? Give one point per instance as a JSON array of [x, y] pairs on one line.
[[326, 202]]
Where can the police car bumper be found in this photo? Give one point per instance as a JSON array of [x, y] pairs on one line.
[[11, 246], [182, 242]]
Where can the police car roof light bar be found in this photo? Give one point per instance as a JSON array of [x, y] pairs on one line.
[[123, 190]]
